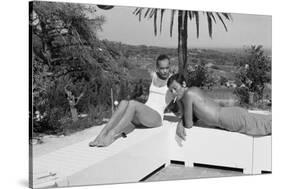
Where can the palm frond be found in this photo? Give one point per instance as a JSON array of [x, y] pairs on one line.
[[152, 12], [196, 14], [172, 22], [190, 15], [136, 9], [227, 16], [147, 11], [161, 19], [213, 17], [222, 21], [139, 13], [155, 22], [210, 24]]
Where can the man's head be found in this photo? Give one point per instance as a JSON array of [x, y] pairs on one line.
[[163, 66], [176, 84]]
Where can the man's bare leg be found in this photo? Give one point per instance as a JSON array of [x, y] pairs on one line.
[[135, 113], [115, 118]]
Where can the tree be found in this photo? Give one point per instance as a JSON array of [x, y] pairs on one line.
[[73, 70], [138, 92], [254, 71], [73, 101], [124, 90], [183, 18]]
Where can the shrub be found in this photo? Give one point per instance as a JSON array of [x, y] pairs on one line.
[[199, 76], [253, 73], [243, 95]]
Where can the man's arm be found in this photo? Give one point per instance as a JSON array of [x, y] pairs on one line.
[[187, 110], [180, 109], [181, 130]]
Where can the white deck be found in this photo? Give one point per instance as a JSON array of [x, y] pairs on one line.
[[144, 150], [126, 160]]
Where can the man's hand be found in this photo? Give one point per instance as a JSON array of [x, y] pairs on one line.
[[181, 131]]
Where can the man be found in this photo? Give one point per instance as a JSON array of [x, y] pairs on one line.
[[194, 101], [131, 114]]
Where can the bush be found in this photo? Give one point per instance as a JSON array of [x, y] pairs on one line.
[[253, 73], [243, 95], [199, 76], [223, 80]]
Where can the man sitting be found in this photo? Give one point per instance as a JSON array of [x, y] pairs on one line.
[[131, 114]]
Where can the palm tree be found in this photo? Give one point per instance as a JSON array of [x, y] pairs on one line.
[[183, 18]]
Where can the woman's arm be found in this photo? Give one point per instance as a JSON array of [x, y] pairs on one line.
[[187, 110]]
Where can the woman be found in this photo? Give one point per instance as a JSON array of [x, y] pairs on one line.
[[194, 101]]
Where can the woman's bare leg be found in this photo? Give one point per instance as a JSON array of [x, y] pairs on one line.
[[115, 118], [137, 113]]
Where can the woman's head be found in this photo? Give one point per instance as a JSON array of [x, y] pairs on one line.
[[176, 84]]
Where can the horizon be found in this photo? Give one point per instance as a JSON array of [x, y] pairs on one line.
[[192, 47]]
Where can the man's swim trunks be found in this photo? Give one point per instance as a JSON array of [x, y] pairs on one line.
[[237, 119]]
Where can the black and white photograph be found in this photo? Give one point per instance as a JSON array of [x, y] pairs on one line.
[[124, 94]]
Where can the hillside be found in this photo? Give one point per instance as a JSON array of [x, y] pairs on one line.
[[141, 58]]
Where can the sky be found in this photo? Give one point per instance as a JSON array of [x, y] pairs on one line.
[[244, 30]]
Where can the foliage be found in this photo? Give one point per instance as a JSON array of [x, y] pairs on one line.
[[253, 73], [66, 52], [223, 80], [199, 76]]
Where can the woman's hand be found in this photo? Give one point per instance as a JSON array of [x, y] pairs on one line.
[[181, 131]]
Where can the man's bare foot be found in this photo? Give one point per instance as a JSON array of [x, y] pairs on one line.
[[96, 141]]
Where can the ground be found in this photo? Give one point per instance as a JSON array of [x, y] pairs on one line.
[[180, 172], [52, 142]]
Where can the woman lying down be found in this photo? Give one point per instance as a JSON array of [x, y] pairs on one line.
[[193, 101]]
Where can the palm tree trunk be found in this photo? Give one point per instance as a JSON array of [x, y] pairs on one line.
[[182, 41]]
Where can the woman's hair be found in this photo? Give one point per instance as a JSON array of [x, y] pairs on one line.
[[176, 77]]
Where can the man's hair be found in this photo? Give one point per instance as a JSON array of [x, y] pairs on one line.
[[161, 57], [176, 77]]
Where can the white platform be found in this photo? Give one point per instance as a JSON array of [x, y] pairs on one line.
[[145, 150], [222, 148], [126, 160]]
